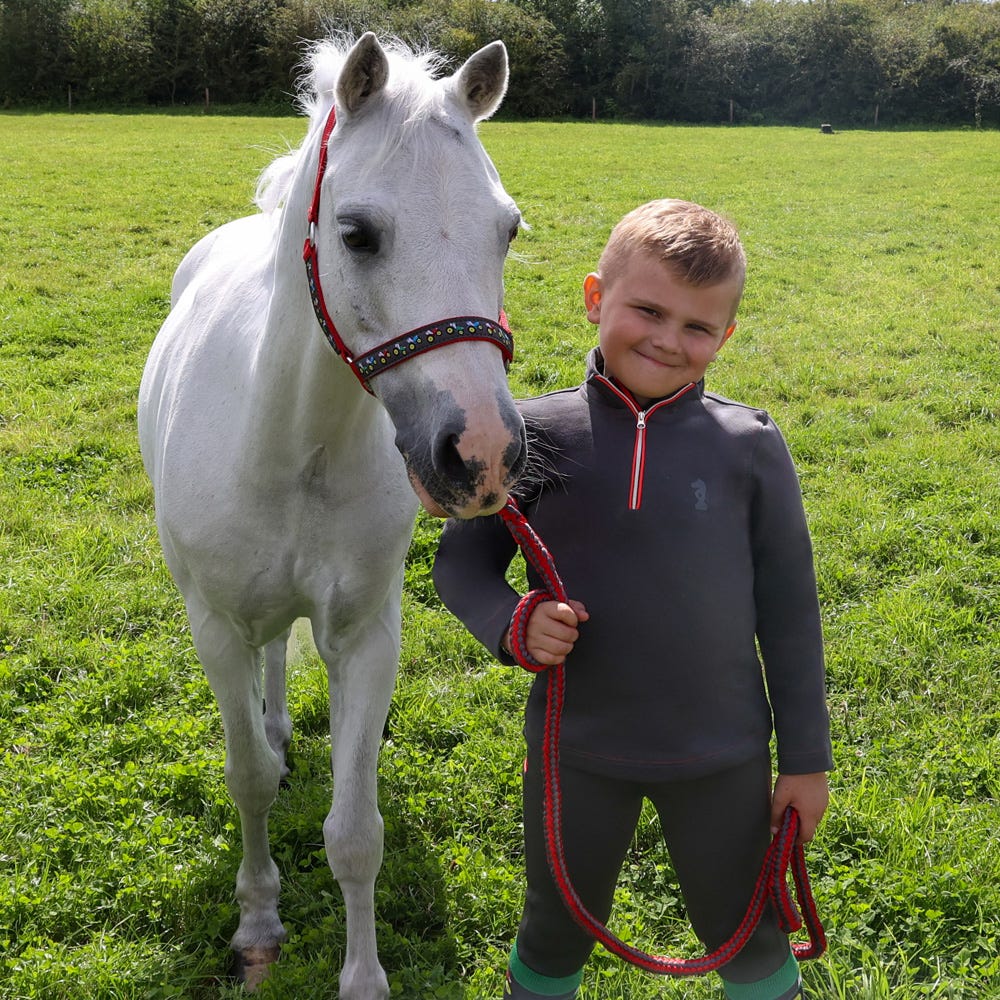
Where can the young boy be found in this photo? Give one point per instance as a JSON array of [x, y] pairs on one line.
[[675, 519]]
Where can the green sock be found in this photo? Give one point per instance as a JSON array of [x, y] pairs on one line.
[[781, 985], [526, 984]]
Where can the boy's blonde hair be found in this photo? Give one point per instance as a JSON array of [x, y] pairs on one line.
[[698, 245]]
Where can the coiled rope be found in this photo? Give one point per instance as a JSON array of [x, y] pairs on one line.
[[782, 854]]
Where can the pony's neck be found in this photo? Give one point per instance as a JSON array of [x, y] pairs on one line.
[[302, 367]]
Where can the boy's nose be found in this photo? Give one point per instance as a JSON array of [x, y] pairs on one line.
[[667, 338]]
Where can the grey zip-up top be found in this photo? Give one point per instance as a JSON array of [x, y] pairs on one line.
[[681, 529]]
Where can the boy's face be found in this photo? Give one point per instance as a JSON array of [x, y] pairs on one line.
[[657, 332]]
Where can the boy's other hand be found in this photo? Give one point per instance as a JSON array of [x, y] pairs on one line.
[[552, 630], [808, 793]]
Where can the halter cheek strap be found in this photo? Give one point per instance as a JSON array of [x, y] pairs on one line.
[[409, 345]]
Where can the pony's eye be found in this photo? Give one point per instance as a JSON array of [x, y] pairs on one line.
[[358, 238]]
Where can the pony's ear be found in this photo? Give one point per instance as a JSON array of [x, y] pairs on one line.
[[481, 83], [365, 73]]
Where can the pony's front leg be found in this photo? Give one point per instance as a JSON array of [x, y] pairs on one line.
[[253, 771], [361, 685]]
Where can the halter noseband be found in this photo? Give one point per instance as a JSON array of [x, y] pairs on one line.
[[409, 345]]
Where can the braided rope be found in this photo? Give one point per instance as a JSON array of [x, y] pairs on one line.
[[784, 852]]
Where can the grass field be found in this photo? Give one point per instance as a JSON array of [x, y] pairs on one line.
[[868, 330]]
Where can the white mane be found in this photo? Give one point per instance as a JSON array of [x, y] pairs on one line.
[[411, 95]]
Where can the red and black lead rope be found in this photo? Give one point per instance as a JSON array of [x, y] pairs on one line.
[[783, 853]]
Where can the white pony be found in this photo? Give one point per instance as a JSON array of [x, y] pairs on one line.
[[282, 486]]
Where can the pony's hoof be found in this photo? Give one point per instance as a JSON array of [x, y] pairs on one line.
[[253, 965]]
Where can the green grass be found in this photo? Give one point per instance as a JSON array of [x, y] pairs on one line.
[[867, 330]]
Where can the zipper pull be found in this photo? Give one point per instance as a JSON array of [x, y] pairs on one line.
[[640, 422]]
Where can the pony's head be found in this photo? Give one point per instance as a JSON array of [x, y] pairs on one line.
[[413, 227]]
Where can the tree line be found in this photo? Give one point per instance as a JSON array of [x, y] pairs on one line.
[[842, 61]]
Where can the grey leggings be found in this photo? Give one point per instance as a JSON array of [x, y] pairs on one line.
[[716, 829]]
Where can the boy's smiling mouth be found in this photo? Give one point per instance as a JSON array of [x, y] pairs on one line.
[[659, 362]]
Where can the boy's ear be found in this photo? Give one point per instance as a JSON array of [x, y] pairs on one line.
[[725, 337], [592, 296]]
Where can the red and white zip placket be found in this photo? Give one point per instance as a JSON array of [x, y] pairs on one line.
[[639, 448]]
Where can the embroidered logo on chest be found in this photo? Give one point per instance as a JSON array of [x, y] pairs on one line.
[[700, 491]]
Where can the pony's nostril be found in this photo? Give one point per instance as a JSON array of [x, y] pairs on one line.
[[448, 463]]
